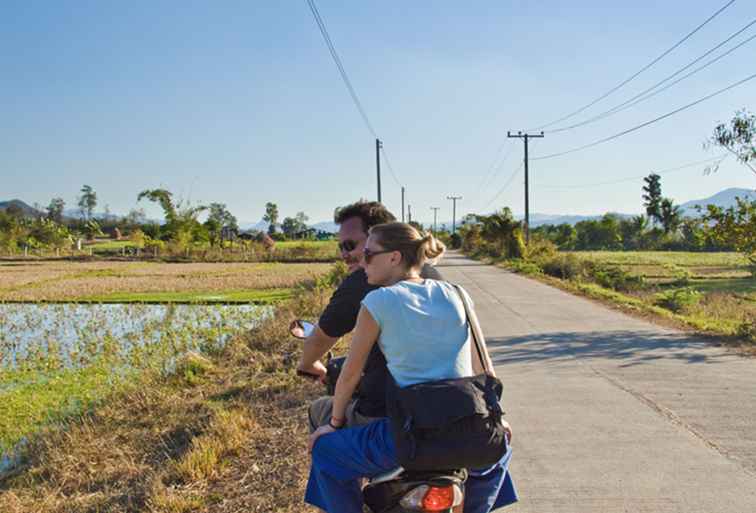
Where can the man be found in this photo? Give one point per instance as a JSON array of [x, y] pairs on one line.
[[492, 489], [340, 316]]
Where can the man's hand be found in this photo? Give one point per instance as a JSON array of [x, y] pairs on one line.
[[316, 371], [507, 431], [322, 430]]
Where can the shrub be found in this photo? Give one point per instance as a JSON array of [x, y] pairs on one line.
[[613, 277], [566, 267], [455, 241], [747, 329], [678, 300], [525, 267], [540, 248]]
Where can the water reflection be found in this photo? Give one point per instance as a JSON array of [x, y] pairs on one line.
[[71, 332]]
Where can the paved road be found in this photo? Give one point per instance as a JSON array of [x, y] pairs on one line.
[[612, 414]]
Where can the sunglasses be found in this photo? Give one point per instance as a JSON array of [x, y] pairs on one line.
[[368, 254], [348, 246]]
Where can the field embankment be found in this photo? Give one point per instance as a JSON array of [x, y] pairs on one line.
[[222, 429], [714, 293]]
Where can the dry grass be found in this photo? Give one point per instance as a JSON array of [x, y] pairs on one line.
[[60, 281], [224, 434]]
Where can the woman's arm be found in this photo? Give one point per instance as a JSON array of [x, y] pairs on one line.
[[365, 335]]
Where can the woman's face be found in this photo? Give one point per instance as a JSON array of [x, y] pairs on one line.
[[380, 264]]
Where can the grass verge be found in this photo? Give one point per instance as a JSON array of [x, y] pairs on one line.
[[726, 313], [223, 431]]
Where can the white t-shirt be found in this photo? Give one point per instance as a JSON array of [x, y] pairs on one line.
[[424, 331]]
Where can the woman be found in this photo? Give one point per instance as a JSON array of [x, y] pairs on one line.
[[421, 327]]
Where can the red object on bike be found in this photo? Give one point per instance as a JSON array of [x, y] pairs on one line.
[[438, 499]]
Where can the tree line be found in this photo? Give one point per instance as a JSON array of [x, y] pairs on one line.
[[49, 227]]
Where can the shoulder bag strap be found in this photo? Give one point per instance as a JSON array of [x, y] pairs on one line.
[[472, 321]]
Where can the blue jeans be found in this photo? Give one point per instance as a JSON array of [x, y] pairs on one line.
[[340, 459]]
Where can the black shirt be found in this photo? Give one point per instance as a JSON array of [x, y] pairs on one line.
[[340, 317]]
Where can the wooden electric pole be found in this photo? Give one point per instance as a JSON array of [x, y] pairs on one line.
[[454, 211], [525, 137], [435, 218], [378, 146], [402, 204]]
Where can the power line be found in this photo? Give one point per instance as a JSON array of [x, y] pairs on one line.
[[647, 123], [391, 168], [718, 159], [644, 68], [496, 164], [642, 96], [347, 82], [506, 185], [339, 65]]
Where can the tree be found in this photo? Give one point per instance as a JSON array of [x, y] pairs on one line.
[[734, 227], [220, 223], [55, 210], [271, 216], [632, 231], [181, 224], [670, 215], [87, 201], [738, 137], [653, 196], [501, 229], [603, 233]]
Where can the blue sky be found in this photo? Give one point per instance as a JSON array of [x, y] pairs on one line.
[[239, 102]]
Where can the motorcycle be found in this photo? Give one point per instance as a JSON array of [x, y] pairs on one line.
[[400, 490]]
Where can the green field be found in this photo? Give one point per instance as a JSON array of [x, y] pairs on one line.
[[712, 292], [203, 297]]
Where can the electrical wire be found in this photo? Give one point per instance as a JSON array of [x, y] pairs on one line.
[[506, 185], [388, 164], [634, 75], [642, 96], [647, 123], [348, 83], [496, 166], [717, 160], [340, 66]]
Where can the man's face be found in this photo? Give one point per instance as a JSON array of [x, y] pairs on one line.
[[352, 235]]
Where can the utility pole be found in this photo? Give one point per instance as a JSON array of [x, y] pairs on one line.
[[435, 218], [378, 146], [402, 203], [454, 211], [409, 213], [525, 137]]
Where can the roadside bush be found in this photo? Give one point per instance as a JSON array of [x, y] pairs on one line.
[[615, 278], [747, 329], [679, 300], [540, 248], [566, 267], [525, 267], [455, 241]]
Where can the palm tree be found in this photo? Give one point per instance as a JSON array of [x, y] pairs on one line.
[[670, 215]]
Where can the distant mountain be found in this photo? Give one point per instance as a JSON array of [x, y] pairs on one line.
[[26, 209], [724, 199], [541, 219], [325, 226]]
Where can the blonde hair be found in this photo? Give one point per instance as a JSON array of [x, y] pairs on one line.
[[416, 248]]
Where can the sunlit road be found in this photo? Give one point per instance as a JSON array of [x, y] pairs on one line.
[[612, 413]]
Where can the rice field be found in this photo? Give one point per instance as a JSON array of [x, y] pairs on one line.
[[147, 281], [712, 291]]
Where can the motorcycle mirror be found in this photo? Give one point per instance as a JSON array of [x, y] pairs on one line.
[[301, 329]]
